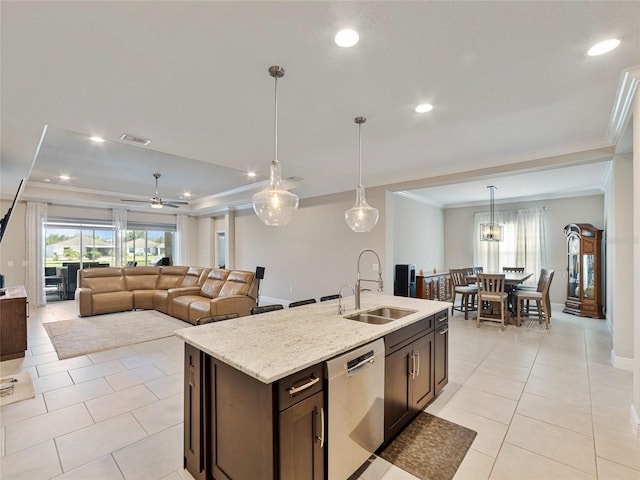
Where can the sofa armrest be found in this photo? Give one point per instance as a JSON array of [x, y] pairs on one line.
[[240, 304], [178, 291], [84, 297]]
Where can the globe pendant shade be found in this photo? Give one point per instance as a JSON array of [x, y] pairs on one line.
[[362, 217], [274, 205]]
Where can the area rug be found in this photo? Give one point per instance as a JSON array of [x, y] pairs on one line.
[[16, 387], [430, 447], [80, 336]]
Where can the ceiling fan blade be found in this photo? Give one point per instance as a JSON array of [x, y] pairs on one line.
[[170, 205], [133, 201]]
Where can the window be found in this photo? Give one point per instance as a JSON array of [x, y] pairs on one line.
[[146, 247], [82, 243], [524, 243]]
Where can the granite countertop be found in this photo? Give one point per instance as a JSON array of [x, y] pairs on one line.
[[272, 345]]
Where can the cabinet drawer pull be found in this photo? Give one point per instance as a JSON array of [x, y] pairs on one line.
[[309, 384], [443, 331], [442, 319]]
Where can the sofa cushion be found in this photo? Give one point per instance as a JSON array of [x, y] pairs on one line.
[[112, 302], [238, 283], [141, 278], [214, 282], [103, 280], [143, 299], [180, 306], [171, 277], [195, 276]]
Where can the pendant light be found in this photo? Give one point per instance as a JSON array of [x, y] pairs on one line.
[[361, 217], [491, 232], [275, 205]]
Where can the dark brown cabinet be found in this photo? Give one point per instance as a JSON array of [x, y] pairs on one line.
[[302, 440], [409, 374], [441, 351], [585, 263], [13, 323], [237, 427]]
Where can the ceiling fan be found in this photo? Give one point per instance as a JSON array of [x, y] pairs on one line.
[[156, 201]]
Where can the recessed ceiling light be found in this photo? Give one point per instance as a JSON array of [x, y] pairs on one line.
[[134, 139], [347, 38], [251, 174], [46, 180], [186, 194], [64, 177], [97, 139], [603, 47], [424, 108]]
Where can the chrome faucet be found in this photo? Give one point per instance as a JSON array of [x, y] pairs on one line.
[[342, 309], [359, 280]]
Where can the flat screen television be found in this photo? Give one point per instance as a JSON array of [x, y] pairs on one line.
[[5, 219]]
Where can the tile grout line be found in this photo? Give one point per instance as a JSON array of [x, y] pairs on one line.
[[516, 408]]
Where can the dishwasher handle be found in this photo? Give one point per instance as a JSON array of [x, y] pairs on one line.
[[361, 361]]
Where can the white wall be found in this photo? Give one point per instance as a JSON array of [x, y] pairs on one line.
[[316, 253], [619, 243], [459, 223], [419, 234]]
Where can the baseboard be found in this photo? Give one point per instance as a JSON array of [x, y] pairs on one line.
[[622, 363]]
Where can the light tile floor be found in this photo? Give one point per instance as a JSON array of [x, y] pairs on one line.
[[546, 405]]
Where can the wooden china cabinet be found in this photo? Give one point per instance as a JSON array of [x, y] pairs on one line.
[[585, 267]]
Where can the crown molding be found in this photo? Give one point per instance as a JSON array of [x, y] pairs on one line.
[[620, 113]]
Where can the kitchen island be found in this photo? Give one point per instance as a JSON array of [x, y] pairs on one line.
[[241, 419]]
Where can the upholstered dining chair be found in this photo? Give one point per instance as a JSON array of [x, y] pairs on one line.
[[540, 296], [491, 291], [467, 292], [538, 288], [513, 269], [265, 308], [299, 303], [335, 296]]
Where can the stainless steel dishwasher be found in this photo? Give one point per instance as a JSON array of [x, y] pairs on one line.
[[355, 404]]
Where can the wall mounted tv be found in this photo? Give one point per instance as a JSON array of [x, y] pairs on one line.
[[5, 219]]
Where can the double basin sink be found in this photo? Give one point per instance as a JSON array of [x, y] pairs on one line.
[[380, 315]]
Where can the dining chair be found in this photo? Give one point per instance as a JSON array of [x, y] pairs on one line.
[[265, 308], [491, 291], [540, 296], [299, 303], [335, 296], [513, 269], [467, 292], [216, 318], [537, 288]]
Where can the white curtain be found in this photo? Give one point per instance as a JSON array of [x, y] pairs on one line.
[[36, 218], [120, 247], [182, 241], [523, 245]]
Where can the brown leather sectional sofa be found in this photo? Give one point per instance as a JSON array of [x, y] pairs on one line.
[[187, 293]]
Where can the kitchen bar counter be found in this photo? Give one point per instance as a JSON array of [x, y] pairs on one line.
[[272, 345]]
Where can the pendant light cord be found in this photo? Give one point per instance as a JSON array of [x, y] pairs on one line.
[[359, 154], [275, 133]]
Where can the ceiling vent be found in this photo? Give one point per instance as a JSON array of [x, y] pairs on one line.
[[133, 139]]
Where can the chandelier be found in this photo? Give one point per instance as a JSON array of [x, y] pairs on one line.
[[491, 232]]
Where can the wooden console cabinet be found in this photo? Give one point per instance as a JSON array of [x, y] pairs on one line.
[[434, 287], [13, 323]]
